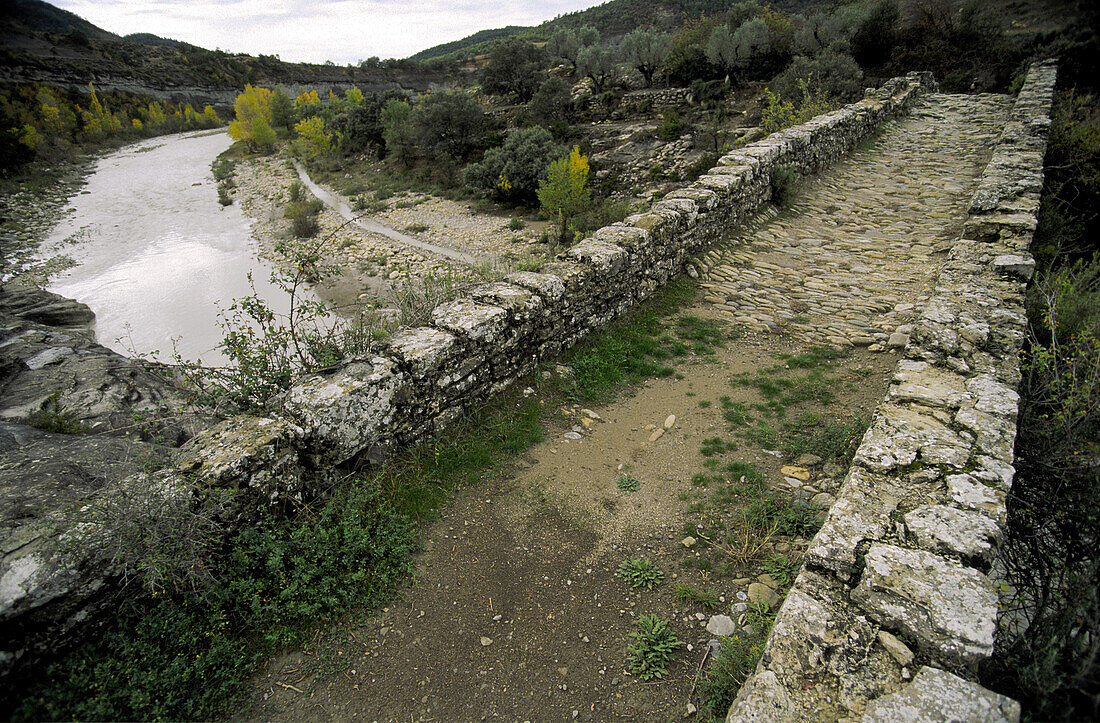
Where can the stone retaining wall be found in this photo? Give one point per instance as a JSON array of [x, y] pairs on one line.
[[894, 608], [478, 345]]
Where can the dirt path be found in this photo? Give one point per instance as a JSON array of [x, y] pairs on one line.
[[516, 611]]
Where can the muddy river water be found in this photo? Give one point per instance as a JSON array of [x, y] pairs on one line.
[[157, 256]]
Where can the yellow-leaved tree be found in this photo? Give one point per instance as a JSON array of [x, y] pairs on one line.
[[253, 123], [313, 139], [564, 193]]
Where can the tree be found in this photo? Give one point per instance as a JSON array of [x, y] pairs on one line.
[[835, 75], [514, 170], [646, 51], [313, 140], [721, 50], [360, 125], [552, 104], [596, 63], [566, 43], [282, 112], [515, 66], [397, 129], [450, 124], [564, 193], [874, 38], [253, 122], [751, 39]]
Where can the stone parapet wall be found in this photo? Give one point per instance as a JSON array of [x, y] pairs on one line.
[[895, 609], [478, 345]]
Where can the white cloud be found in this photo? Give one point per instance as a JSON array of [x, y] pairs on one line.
[[343, 31]]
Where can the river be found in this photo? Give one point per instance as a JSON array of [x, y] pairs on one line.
[[157, 255]]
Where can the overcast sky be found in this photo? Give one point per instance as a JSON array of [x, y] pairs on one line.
[[343, 31]]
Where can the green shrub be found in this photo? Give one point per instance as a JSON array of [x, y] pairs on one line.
[[671, 127], [784, 183], [732, 667], [190, 656], [303, 214], [50, 417], [515, 170], [628, 484], [779, 113], [516, 224], [653, 647]]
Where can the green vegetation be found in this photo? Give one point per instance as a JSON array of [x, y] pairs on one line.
[[628, 484], [186, 655], [632, 349], [654, 644], [42, 124], [687, 593], [734, 663], [303, 212], [50, 417], [565, 193], [640, 572]]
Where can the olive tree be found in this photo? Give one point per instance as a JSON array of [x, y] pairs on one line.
[[596, 63], [646, 51]]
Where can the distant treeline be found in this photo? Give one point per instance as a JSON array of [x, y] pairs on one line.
[[46, 123]]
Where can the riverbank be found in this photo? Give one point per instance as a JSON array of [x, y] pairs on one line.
[[29, 209], [370, 263]]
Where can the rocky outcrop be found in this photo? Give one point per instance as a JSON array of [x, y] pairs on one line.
[[100, 418], [897, 576]]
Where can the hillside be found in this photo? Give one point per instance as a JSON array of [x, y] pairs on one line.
[[456, 46], [40, 43], [22, 16]]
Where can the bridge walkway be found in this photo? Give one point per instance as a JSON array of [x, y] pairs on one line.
[[852, 261]]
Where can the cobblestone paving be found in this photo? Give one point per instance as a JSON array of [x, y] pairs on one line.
[[853, 260]]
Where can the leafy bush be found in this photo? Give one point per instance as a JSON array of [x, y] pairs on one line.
[[732, 667], [653, 647], [190, 656], [449, 125], [831, 75], [515, 66], [628, 484], [779, 113], [564, 193], [671, 126], [515, 170], [552, 103], [50, 417]]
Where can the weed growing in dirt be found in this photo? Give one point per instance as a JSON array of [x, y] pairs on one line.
[[640, 572], [628, 484], [715, 445], [688, 593], [653, 647], [772, 512]]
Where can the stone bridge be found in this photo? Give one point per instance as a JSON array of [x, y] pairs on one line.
[[916, 237]]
